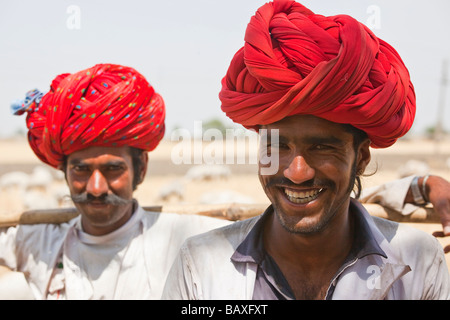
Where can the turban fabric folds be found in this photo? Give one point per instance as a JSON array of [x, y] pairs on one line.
[[106, 105], [296, 62]]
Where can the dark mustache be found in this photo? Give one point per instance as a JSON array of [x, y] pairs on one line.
[[313, 183], [86, 198]]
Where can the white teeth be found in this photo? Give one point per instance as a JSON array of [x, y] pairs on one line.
[[302, 196]]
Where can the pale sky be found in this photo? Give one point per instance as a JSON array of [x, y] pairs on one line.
[[183, 47]]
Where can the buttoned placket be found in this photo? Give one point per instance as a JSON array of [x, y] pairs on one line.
[[334, 281]]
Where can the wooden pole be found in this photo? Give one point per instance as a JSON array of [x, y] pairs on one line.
[[232, 211]]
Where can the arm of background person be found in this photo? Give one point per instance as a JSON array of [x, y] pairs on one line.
[[397, 195], [438, 194]]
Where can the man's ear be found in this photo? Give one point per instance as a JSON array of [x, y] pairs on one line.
[[363, 156], [144, 159], [62, 167]]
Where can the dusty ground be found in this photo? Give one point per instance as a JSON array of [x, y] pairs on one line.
[[168, 183]]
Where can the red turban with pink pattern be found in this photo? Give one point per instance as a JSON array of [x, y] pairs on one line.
[[106, 105], [297, 62]]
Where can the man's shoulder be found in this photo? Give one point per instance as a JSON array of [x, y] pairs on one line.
[[42, 238], [406, 239], [392, 229], [45, 229], [229, 236], [177, 220], [175, 228]]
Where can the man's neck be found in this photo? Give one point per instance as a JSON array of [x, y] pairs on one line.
[[311, 259], [103, 229], [333, 241]]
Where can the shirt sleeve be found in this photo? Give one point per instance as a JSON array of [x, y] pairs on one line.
[[391, 195], [437, 279], [180, 283], [14, 286], [8, 257]]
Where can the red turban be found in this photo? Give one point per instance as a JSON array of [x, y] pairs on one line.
[[106, 105], [296, 62]]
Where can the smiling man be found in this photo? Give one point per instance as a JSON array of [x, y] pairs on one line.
[[97, 125], [310, 196], [316, 174], [329, 89]]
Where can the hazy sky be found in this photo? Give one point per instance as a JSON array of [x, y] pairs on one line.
[[183, 47]]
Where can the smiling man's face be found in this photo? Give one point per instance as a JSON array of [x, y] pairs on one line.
[[316, 173]]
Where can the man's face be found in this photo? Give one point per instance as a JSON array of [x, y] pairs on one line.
[[316, 173], [100, 180]]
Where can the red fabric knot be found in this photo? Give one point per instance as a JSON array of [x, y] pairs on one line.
[[106, 105], [297, 62]]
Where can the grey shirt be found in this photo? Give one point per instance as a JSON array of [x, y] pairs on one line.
[[270, 283]]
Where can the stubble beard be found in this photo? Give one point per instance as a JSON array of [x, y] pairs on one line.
[[291, 224]]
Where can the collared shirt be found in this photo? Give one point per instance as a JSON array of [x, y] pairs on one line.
[[270, 282]]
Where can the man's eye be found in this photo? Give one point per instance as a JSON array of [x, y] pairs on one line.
[[79, 168], [277, 146], [322, 147], [114, 168]]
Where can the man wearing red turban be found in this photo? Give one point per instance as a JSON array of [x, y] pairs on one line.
[[296, 62], [97, 125], [320, 90], [106, 105]]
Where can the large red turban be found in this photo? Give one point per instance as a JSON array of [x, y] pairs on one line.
[[106, 105], [296, 62]]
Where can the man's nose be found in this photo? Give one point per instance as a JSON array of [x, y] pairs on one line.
[[97, 184], [299, 170]]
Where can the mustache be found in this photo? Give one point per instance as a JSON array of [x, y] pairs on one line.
[[313, 183], [86, 198]]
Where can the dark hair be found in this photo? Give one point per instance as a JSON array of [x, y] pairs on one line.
[[137, 163], [359, 137]]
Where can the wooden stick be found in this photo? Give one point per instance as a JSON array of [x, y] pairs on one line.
[[231, 212]]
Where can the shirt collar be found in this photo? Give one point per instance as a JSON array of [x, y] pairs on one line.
[[123, 231], [364, 244], [252, 248]]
